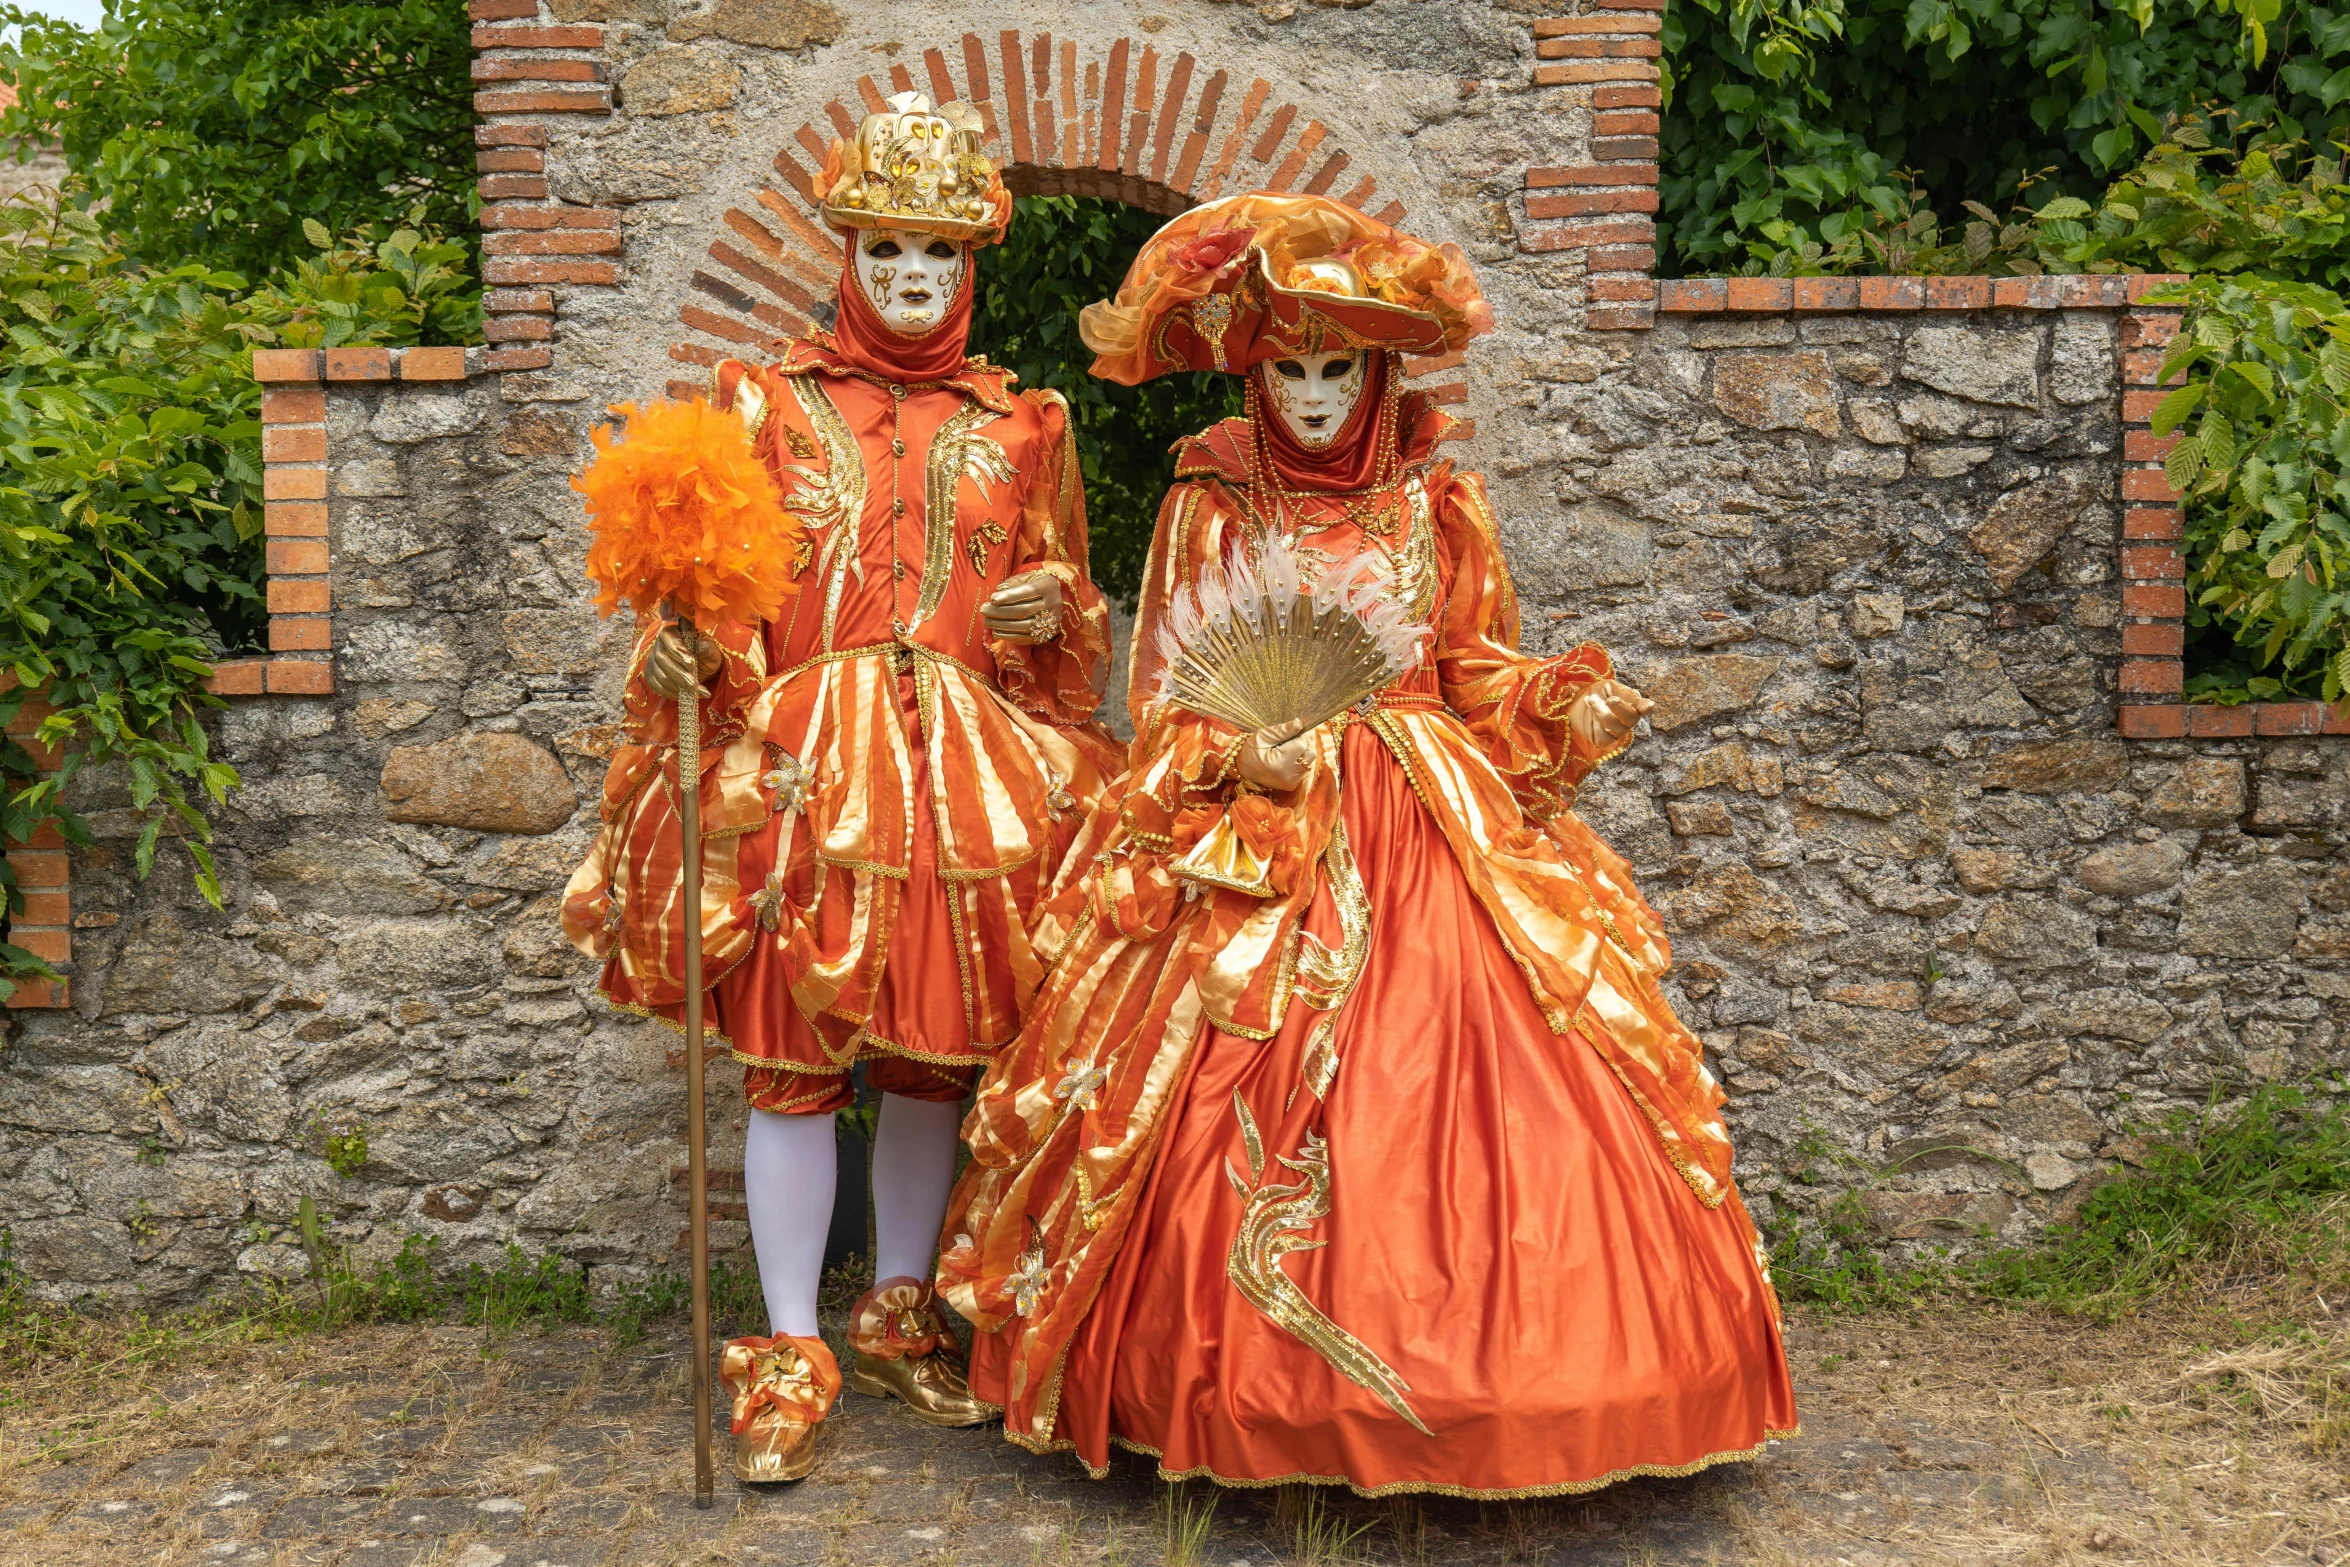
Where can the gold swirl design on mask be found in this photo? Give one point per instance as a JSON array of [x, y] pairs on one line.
[[879, 286], [1272, 1221]]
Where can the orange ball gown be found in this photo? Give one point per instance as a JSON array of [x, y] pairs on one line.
[[1350, 1138]]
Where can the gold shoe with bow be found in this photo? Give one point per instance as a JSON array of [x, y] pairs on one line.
[[905, 1350], [783, 1387]]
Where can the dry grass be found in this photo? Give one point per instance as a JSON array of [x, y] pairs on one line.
[[2209, 1429], [2213, 1428]]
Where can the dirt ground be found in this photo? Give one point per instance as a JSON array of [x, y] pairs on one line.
[[2212, 1434]]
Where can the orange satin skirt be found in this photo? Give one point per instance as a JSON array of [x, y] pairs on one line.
[[1504, 1235], [917, 1040]]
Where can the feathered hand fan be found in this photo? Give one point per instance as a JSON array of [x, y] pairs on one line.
[[682, 512], [1254, 645]]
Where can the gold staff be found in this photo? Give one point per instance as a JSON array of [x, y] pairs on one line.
[[697, 1134]]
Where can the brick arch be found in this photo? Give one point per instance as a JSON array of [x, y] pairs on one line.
[[1133, 126]]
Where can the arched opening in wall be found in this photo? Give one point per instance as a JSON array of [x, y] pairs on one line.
[[1100, 153], [1064, 252]]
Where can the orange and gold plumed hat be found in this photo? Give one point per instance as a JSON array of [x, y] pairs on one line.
[[1262, 275]]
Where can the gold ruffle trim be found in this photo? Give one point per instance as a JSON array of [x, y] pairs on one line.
[[1737, 1455]]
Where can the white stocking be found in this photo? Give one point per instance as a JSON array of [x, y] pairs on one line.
[[913, 1171], [790, 1167]]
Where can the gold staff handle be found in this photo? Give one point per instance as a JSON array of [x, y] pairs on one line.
[[689, 810]]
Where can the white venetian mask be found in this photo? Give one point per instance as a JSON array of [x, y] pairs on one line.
[[1314, 394], [910, 278]]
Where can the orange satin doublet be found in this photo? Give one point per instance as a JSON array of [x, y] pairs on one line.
[[1387, 1162], [886, 787]]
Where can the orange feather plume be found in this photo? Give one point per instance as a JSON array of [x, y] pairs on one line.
[[681, 511]]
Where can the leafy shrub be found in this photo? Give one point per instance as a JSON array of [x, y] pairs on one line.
[[130, 475], [1795, 123], [2263, 461], [2189, 206], [212, 129]]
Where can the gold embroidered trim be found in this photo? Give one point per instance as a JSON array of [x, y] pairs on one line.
[[1272, 1223], [833, 500], [1317, 1068], [868, 1045], [1326, 978], [1735, 1455], [868, 867], [956, 452], [632, 1009]]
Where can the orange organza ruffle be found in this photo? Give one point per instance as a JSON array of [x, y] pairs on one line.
[[683, 512]]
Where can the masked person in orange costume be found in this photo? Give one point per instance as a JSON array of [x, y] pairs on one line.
[[1351, 1139], [891, 774]]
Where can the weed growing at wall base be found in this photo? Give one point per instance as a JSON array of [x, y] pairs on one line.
[[2260, 1190], [514, 1293], [2255, 1192]]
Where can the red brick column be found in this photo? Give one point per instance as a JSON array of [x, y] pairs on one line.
[[2154, 587], [294, 476], [44, 870], [1604, 208], [532, 246]]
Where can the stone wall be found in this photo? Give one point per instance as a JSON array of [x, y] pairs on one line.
[[1930, 909], [1942, 904], [389, 960]]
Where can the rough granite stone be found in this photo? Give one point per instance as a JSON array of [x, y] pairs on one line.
[[2058, 766], [2131, 870], [1982, 367], [2023, 525], [2206, 791], [1778, 392], [1691, 690], [680, 81], [769, 24], [483, 781], [2035, 933], [2242, 914]]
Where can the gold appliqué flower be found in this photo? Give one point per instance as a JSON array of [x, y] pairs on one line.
[[1028, 1273], [768, 901], [1076, 1090], [982, 539], [788, 779]]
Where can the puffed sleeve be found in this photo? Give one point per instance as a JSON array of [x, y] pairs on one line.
[[1060, 681], [1514, 704]]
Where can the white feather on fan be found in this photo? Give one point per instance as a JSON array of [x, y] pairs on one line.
[[1252, 644]]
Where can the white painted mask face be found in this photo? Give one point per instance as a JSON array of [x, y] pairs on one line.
[[910, 278], [1313, 394]]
